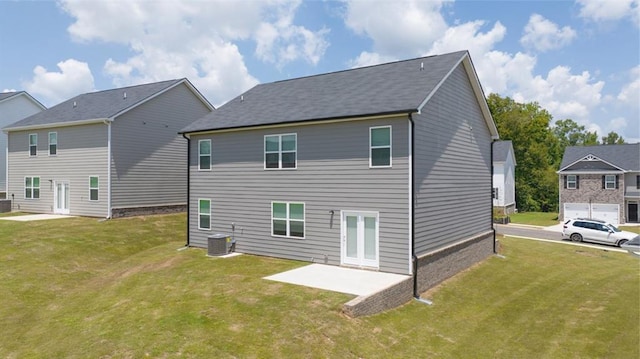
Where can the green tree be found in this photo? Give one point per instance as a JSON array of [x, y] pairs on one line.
[[536, 149], [612, 139]]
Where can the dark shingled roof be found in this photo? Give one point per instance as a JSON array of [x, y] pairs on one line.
[[95, 105], [397, 87], [501, 150], [626, 156]]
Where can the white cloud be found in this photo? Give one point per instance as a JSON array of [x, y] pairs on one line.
[[73, 78], [630, 93], [174, 39], [610, 10], [398, 28], [370, 58], [543, 35]]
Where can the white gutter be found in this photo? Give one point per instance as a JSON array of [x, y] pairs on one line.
[[57, 124], [108, 123]]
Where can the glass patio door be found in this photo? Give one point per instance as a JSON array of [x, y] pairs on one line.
[[360, 239], [61, 198]]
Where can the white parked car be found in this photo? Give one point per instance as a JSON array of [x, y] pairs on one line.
[[633, 246], [594, 230]]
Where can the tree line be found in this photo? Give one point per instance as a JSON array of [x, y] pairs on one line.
[[538, 146]]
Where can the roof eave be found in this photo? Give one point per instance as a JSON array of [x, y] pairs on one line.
[[306, 122], [57, 124]]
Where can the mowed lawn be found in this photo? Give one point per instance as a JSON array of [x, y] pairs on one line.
[[83, 288]]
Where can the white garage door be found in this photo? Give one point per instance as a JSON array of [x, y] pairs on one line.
[[576, 210], [605, 212]]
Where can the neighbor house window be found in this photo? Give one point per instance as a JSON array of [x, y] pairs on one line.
[[637, 182], [610, 181], [380, 146], [53, 143], [495, 193], [93, 188], [31, 187], [280, 151], [33, 144], [204, 214], [287, 219], [572, 182], [204, 154]]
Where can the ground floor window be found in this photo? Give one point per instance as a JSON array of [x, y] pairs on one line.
[[31, 187], [287, 219], [204, 214], [93, 188]]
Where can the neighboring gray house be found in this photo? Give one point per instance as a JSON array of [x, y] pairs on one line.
[[106, 153], [601, 182], [14, 106], [370, 167], [504, 182]]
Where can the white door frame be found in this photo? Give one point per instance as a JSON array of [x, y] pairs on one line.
[[64, 186], [360, 259]]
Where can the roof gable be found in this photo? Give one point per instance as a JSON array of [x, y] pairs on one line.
[[624, 157], [501, 150], [391, 88], [101, 105], [7, 96]]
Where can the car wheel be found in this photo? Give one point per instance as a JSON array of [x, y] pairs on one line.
[[622, 241], [576, 237]]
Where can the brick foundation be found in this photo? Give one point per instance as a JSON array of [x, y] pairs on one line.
[[143, 211], [388, 298]]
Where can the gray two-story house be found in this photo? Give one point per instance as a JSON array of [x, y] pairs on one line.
[[601, 182], [384, 167], [107, 153]]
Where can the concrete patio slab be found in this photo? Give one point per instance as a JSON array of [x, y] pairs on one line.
[[34, 217], [339, 279]]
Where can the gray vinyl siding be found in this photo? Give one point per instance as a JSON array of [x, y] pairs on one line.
[[452, 167], [149, 158], [332, 174], [12, 110], [82, 152]]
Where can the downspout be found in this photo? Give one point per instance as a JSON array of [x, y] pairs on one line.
[[108, 123], [414, 258], [495, 250], [188, 186]]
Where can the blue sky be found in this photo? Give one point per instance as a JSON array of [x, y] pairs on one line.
[[577, 59]]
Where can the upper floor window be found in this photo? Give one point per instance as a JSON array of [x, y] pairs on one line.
[[204, 154], [53, 143], [380, 146], [609, 182], [287, 219], [572, 182], [280, 151], [31, 187], [204, 214], [33, 144], [93, 188]]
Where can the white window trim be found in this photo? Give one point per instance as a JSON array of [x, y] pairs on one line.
[[200, 213], [607, 182], [288, 219], [56, 144], [97, 189], [210, 156], [36, 144], [280, 152], [574, 182], [371, 148], [24, 192]]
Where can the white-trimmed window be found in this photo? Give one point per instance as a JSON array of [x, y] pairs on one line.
[[33, 144], [572, 181], [495, 193], [32, 187], [204, 214], [380, 146], [287, 219], [204, 155], [610, 181], [94, 187], [280, 151], [53, 143]]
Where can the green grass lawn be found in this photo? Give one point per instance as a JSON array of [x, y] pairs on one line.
[[80, 288], [535, 218]]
